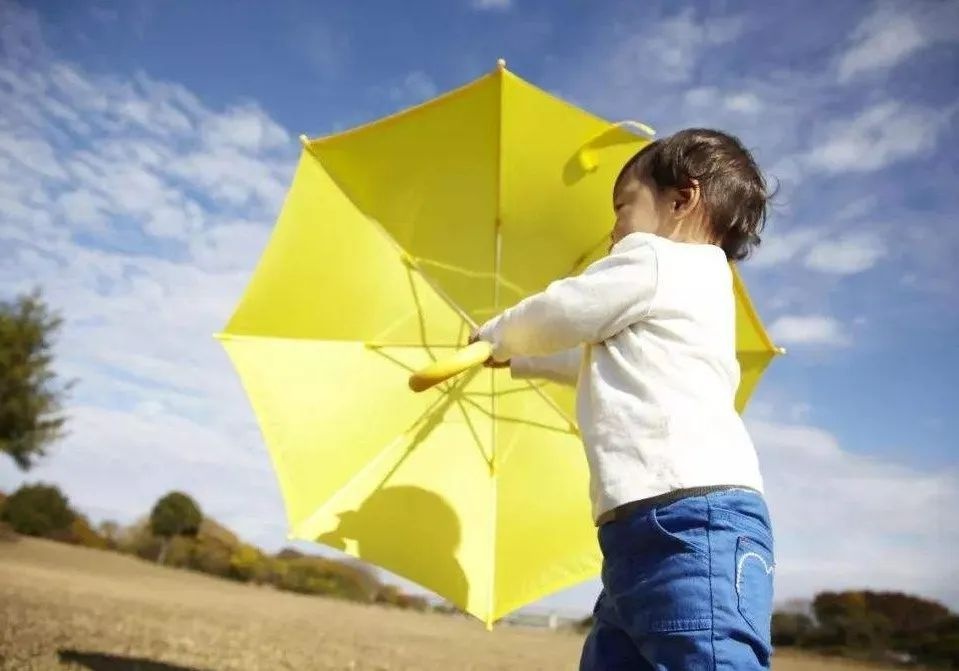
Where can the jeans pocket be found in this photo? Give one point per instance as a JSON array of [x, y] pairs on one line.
[[754, 585], [680, 527]]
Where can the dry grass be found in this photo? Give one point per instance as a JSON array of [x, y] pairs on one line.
[[118, 612]]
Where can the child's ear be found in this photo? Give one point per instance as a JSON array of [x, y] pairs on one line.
[[687, 199]]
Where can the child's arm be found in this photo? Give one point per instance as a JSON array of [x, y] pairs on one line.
[[611, 294], [562, 367]]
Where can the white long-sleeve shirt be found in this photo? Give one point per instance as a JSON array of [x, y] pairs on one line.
[[648, 336]]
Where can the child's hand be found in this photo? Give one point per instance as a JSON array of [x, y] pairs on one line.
[[490, 362]]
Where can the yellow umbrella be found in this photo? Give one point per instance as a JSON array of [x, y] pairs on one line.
[[395, 240]]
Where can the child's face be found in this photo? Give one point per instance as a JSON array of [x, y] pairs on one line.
[[639, 208]]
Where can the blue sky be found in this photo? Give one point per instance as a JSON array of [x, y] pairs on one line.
[[145, 148]]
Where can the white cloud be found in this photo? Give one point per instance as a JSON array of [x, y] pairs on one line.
[[670, 48], [884, 39], [492, 4], [893, 32], [705, 98], [140, 210], [879, 136], [783, 247], [838, 527], [846, 255], [748, 103], [414, 88], [808, 330], [246, 128]]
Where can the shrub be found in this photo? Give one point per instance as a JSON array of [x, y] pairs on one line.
[[248, 564], [80, 533], [316, 575], [791, 628], [37, 510], [210, 555]]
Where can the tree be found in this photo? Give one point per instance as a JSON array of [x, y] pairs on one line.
[[790, 628], [176, 514], [30, 395], [38, 510]]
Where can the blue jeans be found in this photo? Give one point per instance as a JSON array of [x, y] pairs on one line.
[[686, 586]]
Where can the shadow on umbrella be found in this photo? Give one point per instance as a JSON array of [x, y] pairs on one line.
[[101, 662], [392, 507]]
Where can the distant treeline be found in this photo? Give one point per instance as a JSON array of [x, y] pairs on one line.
[[887, 626], [176, 534]]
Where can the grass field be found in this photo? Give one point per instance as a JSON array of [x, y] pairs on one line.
[[64, 607]]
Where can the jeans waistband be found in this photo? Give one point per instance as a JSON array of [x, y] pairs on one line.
[[626, 509]]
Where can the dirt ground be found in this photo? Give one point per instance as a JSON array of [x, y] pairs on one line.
[[63, 607]]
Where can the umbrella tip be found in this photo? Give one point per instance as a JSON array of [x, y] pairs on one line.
[[305, 141], [500, 64]]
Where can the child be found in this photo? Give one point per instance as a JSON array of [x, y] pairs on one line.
[[648, 336]]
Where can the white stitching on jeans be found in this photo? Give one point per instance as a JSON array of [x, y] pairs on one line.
[[742, 561]]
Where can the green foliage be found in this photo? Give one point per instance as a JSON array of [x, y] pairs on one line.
[[178, 553], [939, 645], [192, 542], [875, 625], [31, 396], [79, 532], [791, 628], [316, 575], [136, 539], [211, 555], [248, 564], [392, 596], [176, 514], [37, 510]]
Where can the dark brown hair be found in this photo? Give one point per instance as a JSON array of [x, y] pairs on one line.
[[733, 188]]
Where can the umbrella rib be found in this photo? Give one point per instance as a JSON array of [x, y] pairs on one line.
[[497, 258], [476, 438], [419, 313], [399, 363], [410, 345], [498, 281], [420, 427], [446, 400], [550, 402], [519, 390], [414, 265], [516, 420], [370, 466], [405, 257]]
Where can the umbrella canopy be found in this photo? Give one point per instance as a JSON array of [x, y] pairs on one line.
[[395, 240]]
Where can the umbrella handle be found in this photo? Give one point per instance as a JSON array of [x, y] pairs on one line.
[[444, 369], [587, 155]]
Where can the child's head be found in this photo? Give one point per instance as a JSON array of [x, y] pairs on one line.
[[697, 185]]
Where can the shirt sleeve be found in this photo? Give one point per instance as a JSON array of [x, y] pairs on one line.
[[562, 367], [607, 297]]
